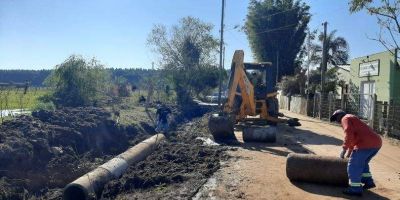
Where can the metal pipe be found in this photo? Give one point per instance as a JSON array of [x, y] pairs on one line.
[[93, 182], [316, 169]]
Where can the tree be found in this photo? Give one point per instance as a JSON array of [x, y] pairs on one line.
[[387, 13], [277, 26], [78, 82], [291, 85], [186, 51], [337, 48], [331, 80]]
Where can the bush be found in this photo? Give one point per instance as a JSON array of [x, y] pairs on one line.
[[45, 106], [78, 82]]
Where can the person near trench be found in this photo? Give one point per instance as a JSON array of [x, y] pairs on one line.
[[361, 144], [162, 118]]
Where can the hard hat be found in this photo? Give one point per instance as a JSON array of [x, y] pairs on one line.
[[336, 114]]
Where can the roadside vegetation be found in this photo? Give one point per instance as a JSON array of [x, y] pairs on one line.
[[16, 99]]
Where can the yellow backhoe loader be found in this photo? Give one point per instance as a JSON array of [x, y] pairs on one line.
[[251, 98]]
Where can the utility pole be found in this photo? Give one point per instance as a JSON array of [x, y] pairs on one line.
[[277, 67], [308, 67], [323, 67], [324, 58], [221, 53]]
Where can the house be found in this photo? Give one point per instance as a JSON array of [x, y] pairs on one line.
[[378, 74], [343, 74]]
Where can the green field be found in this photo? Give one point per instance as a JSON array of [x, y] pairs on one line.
[[16, 99]]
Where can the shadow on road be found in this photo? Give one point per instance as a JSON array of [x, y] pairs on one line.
[[294, 139], [335, 191], [309, 137]]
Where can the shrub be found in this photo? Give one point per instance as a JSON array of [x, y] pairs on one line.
[[78, 82]]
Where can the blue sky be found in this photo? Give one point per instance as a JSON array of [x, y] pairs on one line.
[[39, 34]]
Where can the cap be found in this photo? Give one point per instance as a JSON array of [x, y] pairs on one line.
[[336, 113]]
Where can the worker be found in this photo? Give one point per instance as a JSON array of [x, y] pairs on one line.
[[361, 144], [162, 118]]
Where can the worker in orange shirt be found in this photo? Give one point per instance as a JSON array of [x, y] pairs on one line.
[[361, 144]]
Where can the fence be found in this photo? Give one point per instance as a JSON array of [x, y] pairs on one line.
[[382, 116]]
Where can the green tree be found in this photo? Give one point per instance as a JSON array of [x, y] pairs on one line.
[[295, 84], [186, 51], [277, 26], [387, 12], [338, 49], [78, 82]]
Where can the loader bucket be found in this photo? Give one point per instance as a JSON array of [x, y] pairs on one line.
[[221, 127]]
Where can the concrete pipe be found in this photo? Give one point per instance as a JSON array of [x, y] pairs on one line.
[[316, 169], [259, 134], [94, 181], [221, 127]]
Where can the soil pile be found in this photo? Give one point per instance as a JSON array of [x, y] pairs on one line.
[[40, 154], [51, 148], [174, 171]]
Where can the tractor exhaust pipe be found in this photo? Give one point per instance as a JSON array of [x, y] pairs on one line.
[[94, 181]]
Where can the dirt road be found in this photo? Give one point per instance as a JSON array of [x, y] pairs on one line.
[[258, 170]]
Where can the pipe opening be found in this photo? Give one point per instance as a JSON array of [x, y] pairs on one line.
[[75, 192]]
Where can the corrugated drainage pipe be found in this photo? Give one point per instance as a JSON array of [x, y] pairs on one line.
[[316, 169], [94, 181]]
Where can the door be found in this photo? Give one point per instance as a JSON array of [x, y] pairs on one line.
[[366, 99]]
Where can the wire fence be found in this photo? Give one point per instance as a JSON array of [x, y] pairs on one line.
[[382, 116]]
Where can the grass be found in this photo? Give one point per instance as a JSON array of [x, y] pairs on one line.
[[16, 99]]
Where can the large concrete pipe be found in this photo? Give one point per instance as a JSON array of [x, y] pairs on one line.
[[221, 127], [259, 134], [94, 181], [316, 169]]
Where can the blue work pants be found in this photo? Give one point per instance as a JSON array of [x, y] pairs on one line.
[[358, 165]]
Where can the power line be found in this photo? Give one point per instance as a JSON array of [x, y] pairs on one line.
[[275, 14], [277, 29]]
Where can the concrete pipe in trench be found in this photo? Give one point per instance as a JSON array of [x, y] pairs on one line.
[[259, 134], [94, 181], [316, 169]]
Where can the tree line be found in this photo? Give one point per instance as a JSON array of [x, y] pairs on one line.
[[37, 78]]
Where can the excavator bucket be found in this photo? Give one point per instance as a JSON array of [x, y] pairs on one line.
[[221, 127]]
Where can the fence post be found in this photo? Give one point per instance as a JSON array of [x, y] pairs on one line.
[[385, 116], [390, 117], [374, 97], [313, 111], [330, 94]]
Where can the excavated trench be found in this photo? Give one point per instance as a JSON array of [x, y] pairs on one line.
[[40, 154]]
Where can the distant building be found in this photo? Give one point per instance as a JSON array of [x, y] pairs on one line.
[[343, 74], [374, 74]]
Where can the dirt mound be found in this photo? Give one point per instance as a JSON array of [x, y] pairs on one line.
[[40, 154], [174, 171], [51, 148]]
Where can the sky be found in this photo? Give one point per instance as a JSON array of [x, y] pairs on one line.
[[39, 34]]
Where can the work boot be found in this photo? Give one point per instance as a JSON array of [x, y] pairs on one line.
[[368, 183], [353, 191]]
